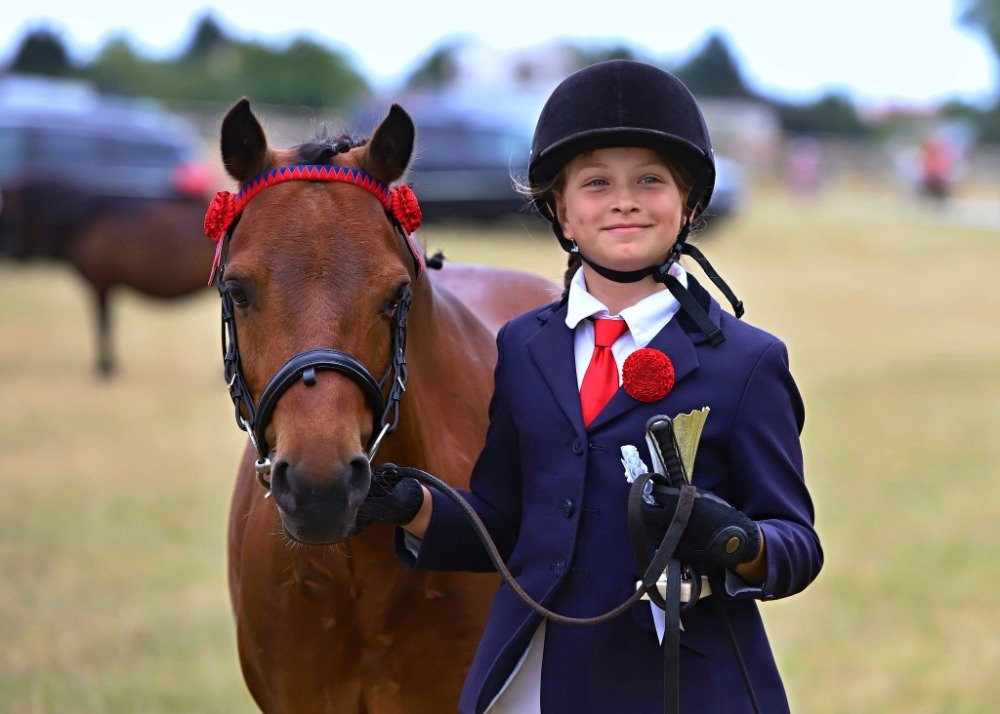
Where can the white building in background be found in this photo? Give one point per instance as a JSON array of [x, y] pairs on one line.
[[508, 85], [748, 131]]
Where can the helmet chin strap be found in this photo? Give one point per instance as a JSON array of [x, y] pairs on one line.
[[661, 274]]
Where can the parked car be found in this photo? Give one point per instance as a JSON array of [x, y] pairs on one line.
[[727, 198], [464, 165]]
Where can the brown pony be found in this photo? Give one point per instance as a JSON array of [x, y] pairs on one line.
[[327, 622]]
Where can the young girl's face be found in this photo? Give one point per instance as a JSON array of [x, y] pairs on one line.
[[622, 206]]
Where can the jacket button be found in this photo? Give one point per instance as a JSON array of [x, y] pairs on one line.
[[578, 446], [567, 507], [559, 565]]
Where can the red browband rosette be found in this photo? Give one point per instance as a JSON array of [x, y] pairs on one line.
[[405, 208], [220, 215], [648, 375]]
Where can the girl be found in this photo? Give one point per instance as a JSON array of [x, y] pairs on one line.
[[621, 164]]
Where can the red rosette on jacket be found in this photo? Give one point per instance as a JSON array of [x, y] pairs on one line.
[[220, 214], [648, 375], [405, 208]]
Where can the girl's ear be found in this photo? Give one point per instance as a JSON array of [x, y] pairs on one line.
[[560, 202]]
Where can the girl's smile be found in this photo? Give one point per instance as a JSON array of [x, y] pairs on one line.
[[627, 228]]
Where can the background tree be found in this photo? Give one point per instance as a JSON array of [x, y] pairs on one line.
[[586, 56], [832, 114], [304, 73], [984, 15], [215, 67], [439, 69], [207, 39], [119, 69], [713, 71], [42, 52]]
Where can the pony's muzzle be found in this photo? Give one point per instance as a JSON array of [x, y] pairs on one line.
[[319, 508]]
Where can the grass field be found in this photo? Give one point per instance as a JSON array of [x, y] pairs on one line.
[[112, 522]]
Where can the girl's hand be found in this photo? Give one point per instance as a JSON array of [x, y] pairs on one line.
[[391, 498], [716, 533]]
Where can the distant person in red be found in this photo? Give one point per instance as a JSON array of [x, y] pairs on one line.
[[937, 164]]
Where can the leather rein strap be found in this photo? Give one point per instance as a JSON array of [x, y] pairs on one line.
[[663, 559], [662, 555]]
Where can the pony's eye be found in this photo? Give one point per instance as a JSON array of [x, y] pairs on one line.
[[392, 303], [238, 292]]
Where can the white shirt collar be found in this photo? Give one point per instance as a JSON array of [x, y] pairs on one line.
[[645, 319]]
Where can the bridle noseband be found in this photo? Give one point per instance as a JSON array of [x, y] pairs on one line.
[[404, 214]]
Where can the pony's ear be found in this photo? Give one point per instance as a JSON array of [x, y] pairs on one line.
[[244, 146], [389, 149]]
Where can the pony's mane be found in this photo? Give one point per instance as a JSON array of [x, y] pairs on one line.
[[323, 148]]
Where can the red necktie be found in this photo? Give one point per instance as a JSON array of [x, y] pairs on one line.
[[600, 382]]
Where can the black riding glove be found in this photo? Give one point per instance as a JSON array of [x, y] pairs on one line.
[[391, 498], [716, 532]]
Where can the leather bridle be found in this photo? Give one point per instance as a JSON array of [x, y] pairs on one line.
[[255, 418], [305, 365]]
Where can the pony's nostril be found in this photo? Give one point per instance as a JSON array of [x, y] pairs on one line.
[[360, 475], [279, 480]]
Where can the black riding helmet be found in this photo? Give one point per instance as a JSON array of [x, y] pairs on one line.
[[621, 103], [629, 103]]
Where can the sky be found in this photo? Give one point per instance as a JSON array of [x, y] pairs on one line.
[[880, 52]]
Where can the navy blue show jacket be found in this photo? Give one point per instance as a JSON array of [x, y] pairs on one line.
[[553, 496]]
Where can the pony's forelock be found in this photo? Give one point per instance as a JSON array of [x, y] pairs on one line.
[[324, 148]]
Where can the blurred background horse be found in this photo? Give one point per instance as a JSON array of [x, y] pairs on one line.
[[110, 187]]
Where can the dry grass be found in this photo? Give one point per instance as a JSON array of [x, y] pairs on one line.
[[112, 525]]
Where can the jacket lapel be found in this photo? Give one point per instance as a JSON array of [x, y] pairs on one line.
[[679, 346], [552, 350]]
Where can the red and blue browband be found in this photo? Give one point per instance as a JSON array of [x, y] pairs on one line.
[[399, 202]]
